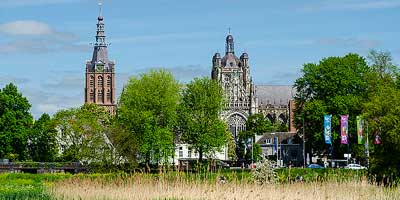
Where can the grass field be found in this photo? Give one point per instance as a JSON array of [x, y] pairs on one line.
[[339, 184]]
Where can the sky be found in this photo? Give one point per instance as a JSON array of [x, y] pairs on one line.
[[44, 44]]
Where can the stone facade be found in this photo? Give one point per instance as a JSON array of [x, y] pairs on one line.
[[244, 98], [100, 75], [233, 74]]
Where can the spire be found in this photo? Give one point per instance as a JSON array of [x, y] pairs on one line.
[[229, 47], [100, 54], [100, 36]]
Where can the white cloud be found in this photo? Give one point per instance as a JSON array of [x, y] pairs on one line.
[[26, 27], [32, 36]]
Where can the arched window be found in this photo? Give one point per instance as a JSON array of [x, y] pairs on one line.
[[100, 96], [100, 82], [91, 95], [108, 81], [237, 123], [108, 95], [91, 81]]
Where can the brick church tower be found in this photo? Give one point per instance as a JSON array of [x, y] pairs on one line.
[[100, 83]]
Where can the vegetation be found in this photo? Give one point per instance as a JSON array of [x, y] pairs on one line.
[[317, 184], [199, 116], [42, 143], [147, 115], [336, 86], [15, 123], [82, 134]]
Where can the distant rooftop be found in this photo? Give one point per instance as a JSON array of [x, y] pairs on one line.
[[274, 94]]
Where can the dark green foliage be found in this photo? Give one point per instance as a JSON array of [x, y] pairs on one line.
[[42, 143], [200, 124], [147, 116], [336, 86], [15, 123]]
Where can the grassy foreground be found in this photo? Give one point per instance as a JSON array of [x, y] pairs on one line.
[[318, 184]]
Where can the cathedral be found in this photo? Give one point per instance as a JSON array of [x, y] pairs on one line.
[[244, 98], [99, 82]]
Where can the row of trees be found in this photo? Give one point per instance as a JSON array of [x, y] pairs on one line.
[[155, 112], [350, 85]]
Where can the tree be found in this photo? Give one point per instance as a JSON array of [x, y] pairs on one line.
[[381, 110], [147, 114], [200, 122], [15, 123], [82, 134], [258, 124], [42, 143], [336, 86]]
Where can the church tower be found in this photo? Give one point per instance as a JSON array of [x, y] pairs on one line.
[[100, 83], [233, 74]]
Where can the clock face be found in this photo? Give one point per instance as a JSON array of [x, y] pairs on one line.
[[99, 67]]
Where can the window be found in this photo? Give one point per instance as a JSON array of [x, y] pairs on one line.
[[91, 82], [180, 152], [91, 95], [108, 81], [108, 95], [100, 82], [100, 96], [268, 141]]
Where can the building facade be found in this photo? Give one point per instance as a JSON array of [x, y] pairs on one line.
[[244, 98], [233, 74], [100, 75]]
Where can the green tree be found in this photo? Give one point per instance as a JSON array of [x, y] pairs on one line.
[[42, 143], [200, 123], [258, 124], [381, 110], [336, 86], [15, 123], [147, 113], [83, 134]]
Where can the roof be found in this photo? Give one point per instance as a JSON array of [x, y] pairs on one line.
[[230, 60], [274, 94], [282, 136]]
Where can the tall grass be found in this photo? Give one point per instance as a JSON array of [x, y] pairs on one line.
[[143, 186], [317, 184]]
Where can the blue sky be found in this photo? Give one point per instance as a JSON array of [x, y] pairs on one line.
[[44, 43]]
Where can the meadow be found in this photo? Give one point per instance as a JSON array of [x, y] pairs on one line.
[[317, 184]]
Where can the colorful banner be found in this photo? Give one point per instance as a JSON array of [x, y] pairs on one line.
[[344, 128], [360, 129], [327, 129]]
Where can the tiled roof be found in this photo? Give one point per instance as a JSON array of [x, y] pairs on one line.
[[274, 94]]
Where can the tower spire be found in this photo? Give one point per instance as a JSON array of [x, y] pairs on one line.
[[100, 36]]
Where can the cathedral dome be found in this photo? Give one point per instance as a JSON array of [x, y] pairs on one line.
[[230, 60]]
